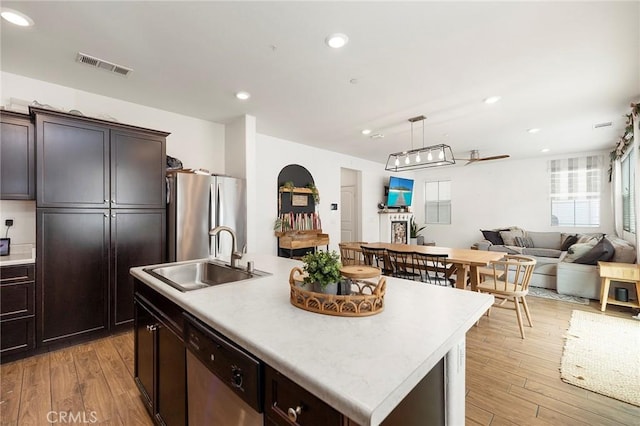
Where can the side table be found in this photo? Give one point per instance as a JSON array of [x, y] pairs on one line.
[[623, 272]]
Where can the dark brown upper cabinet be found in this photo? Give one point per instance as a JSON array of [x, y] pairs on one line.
[[90, 163], [17, 157]]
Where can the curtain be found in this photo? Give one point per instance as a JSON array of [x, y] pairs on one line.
[[616, 197]]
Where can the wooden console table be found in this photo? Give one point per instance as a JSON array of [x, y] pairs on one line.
[[623, 272], [292, 240]]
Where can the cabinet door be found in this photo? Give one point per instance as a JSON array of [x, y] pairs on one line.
[[137, 239], [17, 335], [71, 272], [73, 163], [145, 341], [17, 157], [172, 381], [137, 170]]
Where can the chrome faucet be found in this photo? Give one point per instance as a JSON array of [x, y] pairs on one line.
[[235, 254]]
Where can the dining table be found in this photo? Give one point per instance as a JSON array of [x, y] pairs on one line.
[[466, 261]]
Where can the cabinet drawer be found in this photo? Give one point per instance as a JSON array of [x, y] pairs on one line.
[[283, 398], [17, 300], [19, 273], [17, 335]]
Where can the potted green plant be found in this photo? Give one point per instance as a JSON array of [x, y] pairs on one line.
[[414, 231], [314, 192], [323, 271]]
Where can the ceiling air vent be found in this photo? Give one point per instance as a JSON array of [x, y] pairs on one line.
[[101, 63], [600, 125]]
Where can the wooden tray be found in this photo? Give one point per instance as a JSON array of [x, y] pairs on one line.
[[367, 297]]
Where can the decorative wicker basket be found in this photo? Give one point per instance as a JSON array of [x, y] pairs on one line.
[[367, 298]]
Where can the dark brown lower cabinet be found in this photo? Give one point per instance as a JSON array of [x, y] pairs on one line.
[[137, 239], [17, 309], [160, 361], [83, 258], [287, 403], [72, 258]]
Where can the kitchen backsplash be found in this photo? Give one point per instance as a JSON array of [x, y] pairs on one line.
[[23, 214]]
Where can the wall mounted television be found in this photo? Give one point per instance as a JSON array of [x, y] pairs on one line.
[[400, 192]]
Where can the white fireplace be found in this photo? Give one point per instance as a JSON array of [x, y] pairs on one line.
[[395, 227]]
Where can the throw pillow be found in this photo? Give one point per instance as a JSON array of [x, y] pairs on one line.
[[492, 236], [568, 242], [603, 251], [624, 252], [578, 250], [545, 239], [509, 237], [526, 242], [585, 238]]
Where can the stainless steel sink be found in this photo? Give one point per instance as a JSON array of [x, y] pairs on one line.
[[192, 276]]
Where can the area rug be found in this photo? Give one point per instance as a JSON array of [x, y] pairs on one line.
[[602, 354], [552, 294]]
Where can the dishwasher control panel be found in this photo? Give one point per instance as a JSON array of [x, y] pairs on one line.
[[241, 371]]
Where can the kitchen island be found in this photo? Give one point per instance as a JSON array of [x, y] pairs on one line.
[[362, 367]]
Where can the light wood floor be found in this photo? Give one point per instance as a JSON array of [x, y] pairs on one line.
[[514, 381], [509, 380]]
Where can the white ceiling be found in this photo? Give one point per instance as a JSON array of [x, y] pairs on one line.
[[561, 67]]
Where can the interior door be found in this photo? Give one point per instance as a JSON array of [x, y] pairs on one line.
[[348, 214]]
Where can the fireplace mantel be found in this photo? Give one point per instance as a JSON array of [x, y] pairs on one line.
[[395, 227]]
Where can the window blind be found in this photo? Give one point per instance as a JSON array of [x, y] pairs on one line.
[[575, 191]]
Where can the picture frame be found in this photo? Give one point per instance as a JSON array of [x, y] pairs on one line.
[[299, 200]]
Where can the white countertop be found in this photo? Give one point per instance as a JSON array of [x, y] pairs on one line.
[[20, 254], [363, 367]]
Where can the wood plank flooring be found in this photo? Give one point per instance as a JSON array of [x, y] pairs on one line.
[[514, 381], [91, 383], [510, 381]]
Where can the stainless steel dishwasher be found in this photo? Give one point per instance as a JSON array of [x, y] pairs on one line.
[[224, 382]]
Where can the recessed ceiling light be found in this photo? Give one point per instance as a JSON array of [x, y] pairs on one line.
[[243, 95], [533, 130], [366, 131], [492, 99], [336, 41], [15, 17], [544, 150]]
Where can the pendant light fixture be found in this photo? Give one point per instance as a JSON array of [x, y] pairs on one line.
[[420, 158]]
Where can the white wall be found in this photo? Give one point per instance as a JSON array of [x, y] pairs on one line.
[[23, 214], [197, 143], [273, 154], [501, 194]]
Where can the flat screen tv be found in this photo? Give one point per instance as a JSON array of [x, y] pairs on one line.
[[400, 192]]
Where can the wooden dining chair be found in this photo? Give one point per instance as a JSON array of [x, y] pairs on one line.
[[349, 254], [376, 257], [434, 269], [510, 282], [403, 265]]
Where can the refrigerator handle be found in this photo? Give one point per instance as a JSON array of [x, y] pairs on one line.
[[219, 211], [213, 214]]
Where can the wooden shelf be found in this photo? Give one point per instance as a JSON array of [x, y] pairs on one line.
[[296, 190], [304, 240], [298, 231]]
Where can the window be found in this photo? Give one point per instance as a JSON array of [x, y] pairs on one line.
[[438, 202], [628, 167], [575, 191]]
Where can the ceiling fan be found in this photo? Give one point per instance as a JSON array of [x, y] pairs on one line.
[[475, 156]]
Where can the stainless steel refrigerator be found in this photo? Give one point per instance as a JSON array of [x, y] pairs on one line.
[[199, 202]]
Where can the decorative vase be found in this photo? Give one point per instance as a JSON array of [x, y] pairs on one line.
[[328, 289], [420, 240], [413, 241]]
